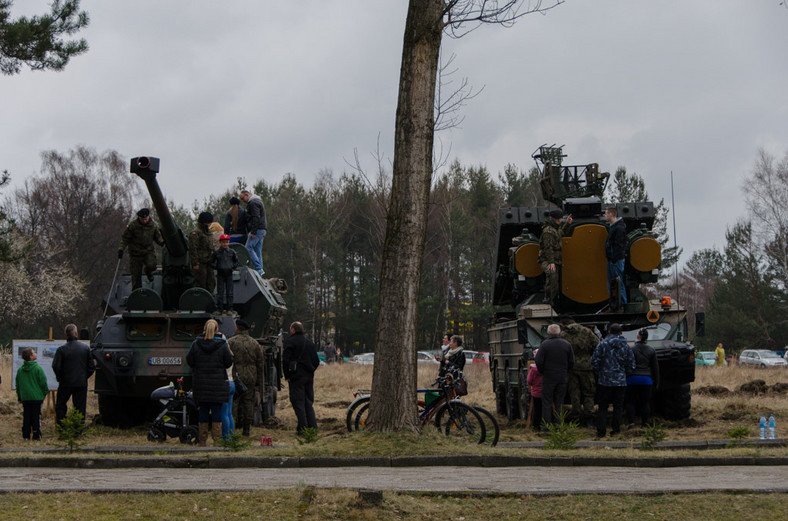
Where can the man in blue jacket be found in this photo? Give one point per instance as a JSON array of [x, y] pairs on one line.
[[612, 360]]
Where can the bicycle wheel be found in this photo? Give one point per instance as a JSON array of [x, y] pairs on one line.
[[490, 425], [351, 410], [460, 420], [360, 420]]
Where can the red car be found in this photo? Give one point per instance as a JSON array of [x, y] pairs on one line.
[[481, 357]]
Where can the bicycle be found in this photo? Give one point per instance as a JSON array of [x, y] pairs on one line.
[[451, 416]]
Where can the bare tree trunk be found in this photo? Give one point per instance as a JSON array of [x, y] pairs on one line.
[[394, 373]]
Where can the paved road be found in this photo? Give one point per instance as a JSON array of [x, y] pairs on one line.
[[520, 480]]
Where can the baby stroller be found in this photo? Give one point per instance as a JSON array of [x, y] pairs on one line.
[[175, 420]]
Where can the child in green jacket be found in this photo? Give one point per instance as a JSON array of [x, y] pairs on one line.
[[31, 388]]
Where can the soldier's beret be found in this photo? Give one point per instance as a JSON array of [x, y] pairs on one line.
[[556, 214], [143, 213], [241, 324]]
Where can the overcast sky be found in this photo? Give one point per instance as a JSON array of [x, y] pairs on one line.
[[262, 89]]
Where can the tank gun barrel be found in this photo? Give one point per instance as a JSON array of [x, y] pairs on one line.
[[147, 168]]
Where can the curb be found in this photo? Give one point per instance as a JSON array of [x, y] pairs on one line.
[[470, 460]]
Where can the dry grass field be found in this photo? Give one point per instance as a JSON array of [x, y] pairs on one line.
[[713, 416]]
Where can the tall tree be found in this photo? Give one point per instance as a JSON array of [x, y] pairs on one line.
[[73, 214], [38, 42], [766, 193], [395, 365]]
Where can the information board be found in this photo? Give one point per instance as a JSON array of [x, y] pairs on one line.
[[45, 349]]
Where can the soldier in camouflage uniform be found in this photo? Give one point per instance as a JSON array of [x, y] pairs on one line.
[[550, 253], [581, 383], [139, 236], [248, 364], [200, 250]]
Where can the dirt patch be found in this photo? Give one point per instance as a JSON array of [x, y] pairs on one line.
[[342, 404], [736, 411], [779, 388], [754, 387], [713, 390]]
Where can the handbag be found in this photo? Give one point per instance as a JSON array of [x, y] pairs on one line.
[[240, 386], [461, 386]]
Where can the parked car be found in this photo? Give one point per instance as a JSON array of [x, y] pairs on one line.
[[469, 356], [481, 357], [706, 358], [425, 357], [761, 358], [362, 359]]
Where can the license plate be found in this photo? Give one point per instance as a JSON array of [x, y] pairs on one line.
[[165, 360]]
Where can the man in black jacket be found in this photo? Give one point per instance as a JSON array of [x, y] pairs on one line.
[[299, 361], [615, 250], [554, 360], [73, 365]]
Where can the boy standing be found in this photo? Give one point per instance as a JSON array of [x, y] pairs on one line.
[[31, 388], [224, 261]]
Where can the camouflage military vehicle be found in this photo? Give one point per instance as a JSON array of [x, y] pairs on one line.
[[520, 324], [143, 344]]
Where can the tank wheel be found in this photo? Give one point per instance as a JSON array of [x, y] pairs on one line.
[[675, 403], [156, 434], [524, 396], [123, 411], [190, 435], [500, 399], [269, 407], [513, 403]]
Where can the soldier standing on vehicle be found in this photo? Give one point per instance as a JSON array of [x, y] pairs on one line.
[[248, 360], [139, 236], [554, 359], [200, 251], [581, 383], [550, 253]]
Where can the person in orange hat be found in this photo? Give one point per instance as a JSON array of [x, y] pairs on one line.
[[224, 260]]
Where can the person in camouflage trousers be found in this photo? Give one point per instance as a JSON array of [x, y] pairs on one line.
[[581, 383], [550, 253], [139, 236], [248, 365], [200, 251]]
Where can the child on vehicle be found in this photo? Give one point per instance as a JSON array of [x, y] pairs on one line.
[[224, 260]]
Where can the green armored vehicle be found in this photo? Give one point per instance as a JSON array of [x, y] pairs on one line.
[[143, 344], [523, 315]]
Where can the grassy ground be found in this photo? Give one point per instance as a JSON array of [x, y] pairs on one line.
[[713, 416], [308, 504]]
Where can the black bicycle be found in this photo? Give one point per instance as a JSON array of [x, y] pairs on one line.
[[439, 406]]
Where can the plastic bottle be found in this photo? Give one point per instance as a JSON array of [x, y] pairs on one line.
[[772, 427], [762, 427]]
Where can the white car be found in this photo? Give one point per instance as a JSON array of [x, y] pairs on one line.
[[761, 358], [423, 357], [362, 359]]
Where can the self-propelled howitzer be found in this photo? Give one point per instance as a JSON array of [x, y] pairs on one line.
[[143, 344], [521, 321]]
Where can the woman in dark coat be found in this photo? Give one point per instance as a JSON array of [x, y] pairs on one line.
[[209, 358], [643, 381], [453, 360]]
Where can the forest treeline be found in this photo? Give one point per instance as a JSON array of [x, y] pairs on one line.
[[61, 228]]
